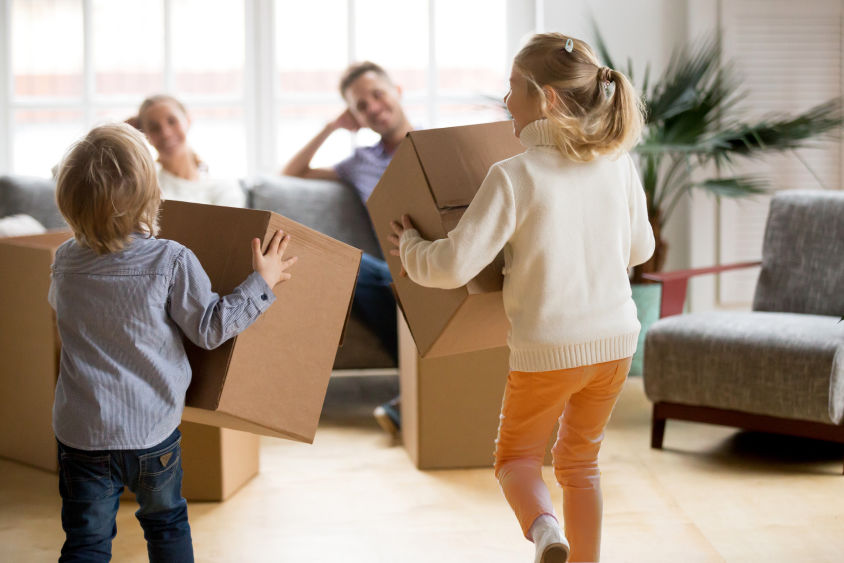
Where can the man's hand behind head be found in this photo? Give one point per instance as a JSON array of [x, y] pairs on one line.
[[346, 120]]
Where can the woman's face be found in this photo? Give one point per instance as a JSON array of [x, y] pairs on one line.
[[166, 126], [523, 106]]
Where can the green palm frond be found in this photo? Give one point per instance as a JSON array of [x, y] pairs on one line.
[[777, 132], [689, 75], [734, 187], [693, 121]]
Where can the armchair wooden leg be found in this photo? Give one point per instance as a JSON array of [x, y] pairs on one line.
[[657, 430]]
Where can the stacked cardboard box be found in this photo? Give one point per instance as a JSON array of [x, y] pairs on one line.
[[453, 357]]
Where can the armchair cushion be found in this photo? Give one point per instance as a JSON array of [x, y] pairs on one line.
[[803, 254], [777, 364]]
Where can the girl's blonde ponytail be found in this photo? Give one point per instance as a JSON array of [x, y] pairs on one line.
[[595, 110]]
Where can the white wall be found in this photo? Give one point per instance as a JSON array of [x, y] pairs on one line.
[[646, 31]]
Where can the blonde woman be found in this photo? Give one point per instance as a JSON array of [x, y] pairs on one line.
[[181, 173], [570, 216]]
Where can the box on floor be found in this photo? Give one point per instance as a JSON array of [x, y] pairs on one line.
[[450, 405]]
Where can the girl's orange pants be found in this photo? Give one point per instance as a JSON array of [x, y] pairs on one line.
[[581, 399]]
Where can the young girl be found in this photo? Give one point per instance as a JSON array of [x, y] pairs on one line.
[[123, 300], [571, 217], [182, 175]]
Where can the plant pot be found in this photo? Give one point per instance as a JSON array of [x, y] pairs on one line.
[[647, 297]]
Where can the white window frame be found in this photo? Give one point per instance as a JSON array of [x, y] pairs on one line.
[[260, 99]]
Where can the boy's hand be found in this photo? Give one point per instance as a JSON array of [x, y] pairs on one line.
[[271, 265], [395, 238]]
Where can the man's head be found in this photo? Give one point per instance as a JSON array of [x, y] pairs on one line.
[[373, 99]]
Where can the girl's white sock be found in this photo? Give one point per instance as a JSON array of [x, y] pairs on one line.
[[551, 544]]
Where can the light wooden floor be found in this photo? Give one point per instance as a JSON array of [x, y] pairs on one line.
[[713, 494]]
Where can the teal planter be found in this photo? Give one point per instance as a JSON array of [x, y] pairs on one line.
[[647, 298]]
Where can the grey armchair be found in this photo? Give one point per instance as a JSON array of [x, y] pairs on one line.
[[778, 368]]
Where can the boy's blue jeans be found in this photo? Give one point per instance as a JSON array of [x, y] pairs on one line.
[[90, 484]]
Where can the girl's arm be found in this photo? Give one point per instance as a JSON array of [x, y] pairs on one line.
[[641, 233], [482, 232]]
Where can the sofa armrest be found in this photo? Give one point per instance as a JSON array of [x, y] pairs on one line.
[[674, 284]]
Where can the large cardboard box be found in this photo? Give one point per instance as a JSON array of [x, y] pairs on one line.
[[433, 177], [450, 405], [217, 461], [272, 378], [29, 350]]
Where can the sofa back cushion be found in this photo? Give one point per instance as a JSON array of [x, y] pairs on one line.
[[329, 207], [803, 254], [32, 196]]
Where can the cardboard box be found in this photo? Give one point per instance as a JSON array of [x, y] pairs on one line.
[[217, 461], [433, 177], [450, 405], [272, 378], [29, 349]]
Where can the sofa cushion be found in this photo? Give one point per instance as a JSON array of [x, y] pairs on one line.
[[32, 196], [803, 254], [329, 207], [777, 364]]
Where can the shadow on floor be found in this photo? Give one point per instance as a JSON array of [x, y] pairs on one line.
[[350, 400], [772, 453]]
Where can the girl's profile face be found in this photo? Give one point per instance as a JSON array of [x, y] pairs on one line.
[[166, 127], [522, 105]]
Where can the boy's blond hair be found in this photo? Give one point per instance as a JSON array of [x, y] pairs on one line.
[[107, 188], [596, 110]]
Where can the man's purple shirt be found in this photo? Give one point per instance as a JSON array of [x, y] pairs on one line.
[[364, 168]]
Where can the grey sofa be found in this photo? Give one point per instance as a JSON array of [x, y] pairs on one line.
[[329, 207], [780, 367]]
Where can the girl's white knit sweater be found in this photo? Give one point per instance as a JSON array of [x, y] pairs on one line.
[[569, 232]]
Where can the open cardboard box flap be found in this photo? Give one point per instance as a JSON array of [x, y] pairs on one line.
[[433, 176]]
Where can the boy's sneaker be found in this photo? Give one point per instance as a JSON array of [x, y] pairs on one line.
[[388, 417]]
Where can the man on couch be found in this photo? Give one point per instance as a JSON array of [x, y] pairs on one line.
[[373, 101]]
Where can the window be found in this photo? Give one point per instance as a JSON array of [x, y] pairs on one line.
[[259, 77]]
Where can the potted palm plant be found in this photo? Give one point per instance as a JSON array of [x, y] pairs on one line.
[[692, 123], [692, 126]]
